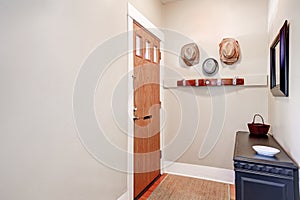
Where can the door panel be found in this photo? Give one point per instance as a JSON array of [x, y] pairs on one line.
[[147, 104]]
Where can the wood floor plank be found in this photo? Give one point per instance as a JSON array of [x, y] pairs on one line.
[[232, 192]]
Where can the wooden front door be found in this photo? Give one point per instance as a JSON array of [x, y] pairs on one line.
[[146, 108]]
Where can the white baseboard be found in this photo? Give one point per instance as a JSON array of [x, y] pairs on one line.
[[198, 171], [124, 196]]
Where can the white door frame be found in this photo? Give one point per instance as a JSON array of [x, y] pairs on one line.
[[134, 14]]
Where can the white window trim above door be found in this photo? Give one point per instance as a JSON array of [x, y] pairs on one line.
[[135, 15]]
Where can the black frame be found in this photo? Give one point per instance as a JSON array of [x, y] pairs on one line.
[[280, 87]]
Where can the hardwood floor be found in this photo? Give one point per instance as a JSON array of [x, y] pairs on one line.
[[147, 194], [232, 192]]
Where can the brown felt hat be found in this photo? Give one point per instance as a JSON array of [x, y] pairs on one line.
[[190, 54], [229, 51]]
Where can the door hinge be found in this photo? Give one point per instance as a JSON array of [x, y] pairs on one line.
[[159, 55], [160, 104], [160, 154]]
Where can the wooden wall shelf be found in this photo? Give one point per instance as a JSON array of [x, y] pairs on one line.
[[245, 81], [211, 82]]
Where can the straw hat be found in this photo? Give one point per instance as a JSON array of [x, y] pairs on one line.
[[210, 67], [229, 51], [190, 54]]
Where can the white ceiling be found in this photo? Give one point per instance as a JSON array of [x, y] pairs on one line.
[[168, 1]]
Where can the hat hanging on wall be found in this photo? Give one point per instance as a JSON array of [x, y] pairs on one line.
[[229, 51], [190, 54], [210, 67]]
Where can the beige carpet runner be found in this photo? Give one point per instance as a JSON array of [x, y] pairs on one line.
[[184, 188]]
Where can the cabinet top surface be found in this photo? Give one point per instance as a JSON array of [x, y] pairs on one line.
[[243, 151]]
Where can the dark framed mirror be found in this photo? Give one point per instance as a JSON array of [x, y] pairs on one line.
[[279, 62]]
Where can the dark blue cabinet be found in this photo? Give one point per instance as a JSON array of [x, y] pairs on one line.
[[263, 178]]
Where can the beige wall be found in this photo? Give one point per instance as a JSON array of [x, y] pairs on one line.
[[43, 44], [152, 10], [284, 111], [207, 22]]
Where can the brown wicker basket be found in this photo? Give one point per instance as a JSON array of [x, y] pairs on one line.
[[258, 128]]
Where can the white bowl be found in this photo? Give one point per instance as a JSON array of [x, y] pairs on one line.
[[265, 150]]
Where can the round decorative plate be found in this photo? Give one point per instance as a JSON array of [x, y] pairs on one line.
[[265, 150], [210, 67]]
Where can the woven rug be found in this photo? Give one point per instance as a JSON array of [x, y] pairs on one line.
[[184, 188]]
